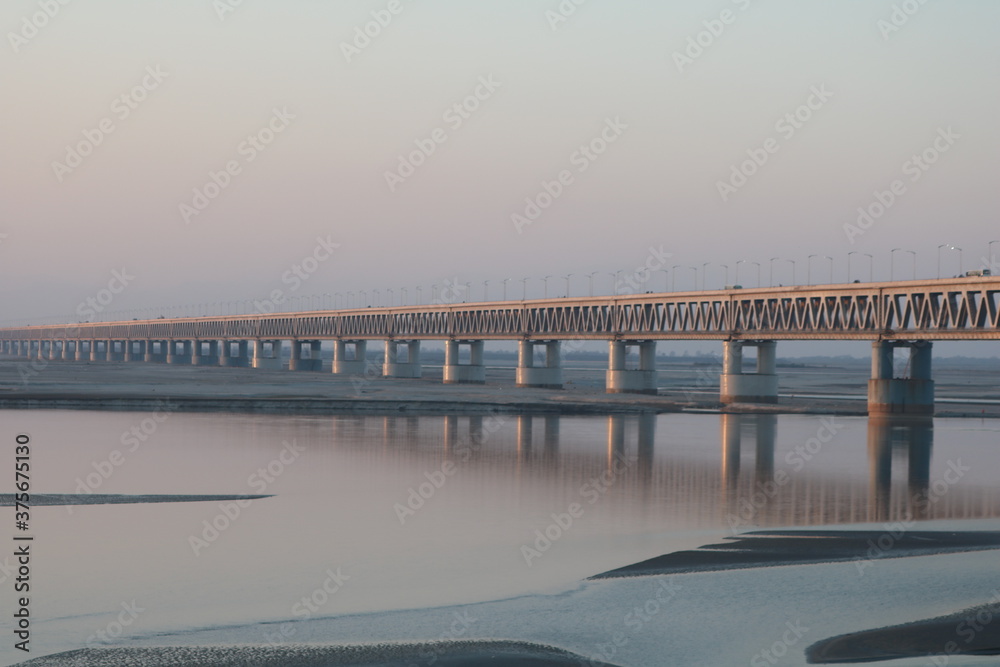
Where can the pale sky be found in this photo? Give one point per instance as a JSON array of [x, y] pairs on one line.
[[198, 80]]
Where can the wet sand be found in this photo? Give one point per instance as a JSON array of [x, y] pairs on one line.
[[445, 654], [149, 387], [796, 547]]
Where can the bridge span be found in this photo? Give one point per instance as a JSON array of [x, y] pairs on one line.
[[911, 314]]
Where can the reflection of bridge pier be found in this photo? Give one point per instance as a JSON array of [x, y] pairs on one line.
[[645, 438], [887, 437], [764, 429]]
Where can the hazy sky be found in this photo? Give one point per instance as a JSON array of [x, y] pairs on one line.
[[683, 94]]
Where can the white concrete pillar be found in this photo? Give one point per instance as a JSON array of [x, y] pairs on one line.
[[737, 386], [346, 363], [473, 372], [528, 375], [295, 358], [888, 395], [621, 380], [394, 368]]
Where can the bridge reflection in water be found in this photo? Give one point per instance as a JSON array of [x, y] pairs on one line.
[[646, 471]]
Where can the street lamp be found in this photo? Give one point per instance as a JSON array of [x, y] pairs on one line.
[[989, 255], [404, 296], [567, 277], [545, 290], [770, 277], [376, 297], [871, 264], [782, 259], [590, 279], [524, 288], [757, 264], [809, 267], [486, 290], [504, 281], [726, 267], [389, 295], [704, 274], [949, 247], [419, 289], [666, 278]]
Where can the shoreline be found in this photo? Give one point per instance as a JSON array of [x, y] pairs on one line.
[[131, 387]]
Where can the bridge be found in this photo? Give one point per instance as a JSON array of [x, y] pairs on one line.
[[910, 314]]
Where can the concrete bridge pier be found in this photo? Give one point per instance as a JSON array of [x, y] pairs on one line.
[[548, 376], [230, 359], [149, 351], [392, 367], [623, 380], [42, 352], [206, 353], [354, 364], [736, 386], [54, 352], [67, 346], [311, 363], [81, 353], [889, 395], [267, 359], [182, 354], [473, 372]]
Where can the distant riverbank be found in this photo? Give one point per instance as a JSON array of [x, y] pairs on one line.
[[149, 387]]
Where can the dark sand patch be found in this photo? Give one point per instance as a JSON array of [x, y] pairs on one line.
[[443, 654], [975, 631], [792, 547], [58, 499]]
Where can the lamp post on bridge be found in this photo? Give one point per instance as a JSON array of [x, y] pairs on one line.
[[419, 289], [486, 290], [871, 264], [545, 290], [524, 289], [590, 277], [505, 281], [389, 295], [892, 263], [949, 247], [989, 255], [704, 274], [567, 277], [809, 267], [666, 279], [674, 268]]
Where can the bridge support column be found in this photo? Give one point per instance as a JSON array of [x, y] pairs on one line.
[[148, 353], [65, 353], [182, 355], [735, 386], [622, 380], [311, 363], [128, 353], [202, 358], [41, 353], [354, 365], [473, 372], [264, 360], [548, 376], [80, 354], [889, 395], [392, 367]]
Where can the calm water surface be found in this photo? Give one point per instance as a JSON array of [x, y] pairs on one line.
[[411, 512]]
